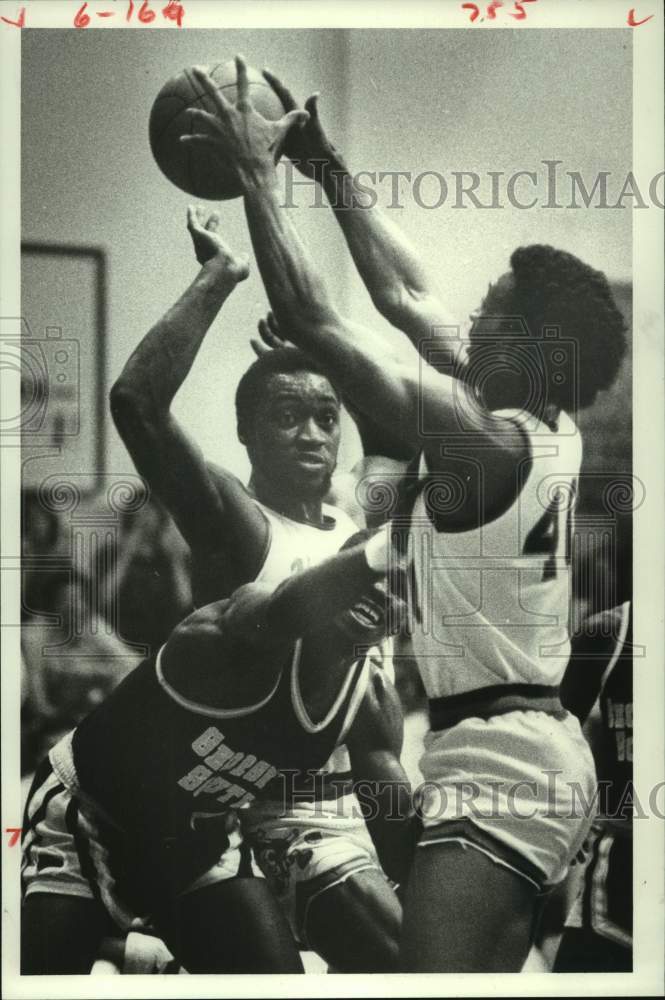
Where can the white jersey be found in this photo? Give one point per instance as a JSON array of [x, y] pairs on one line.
[[491, 605], [294, 546]]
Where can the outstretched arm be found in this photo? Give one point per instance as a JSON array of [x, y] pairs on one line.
[[209, 511], [403, 396], [400, 283], [302, 602]]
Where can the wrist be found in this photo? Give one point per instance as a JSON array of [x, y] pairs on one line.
[[258, 174], [377, 552], [334, 176], [216, 276]]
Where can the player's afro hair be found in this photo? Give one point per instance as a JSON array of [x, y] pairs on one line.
[[251, 388], [555, 288]]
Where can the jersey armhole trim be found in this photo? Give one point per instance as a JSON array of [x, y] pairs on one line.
[[356, 699], [618, 648], [299, 705], [268, 541], [199, 709]]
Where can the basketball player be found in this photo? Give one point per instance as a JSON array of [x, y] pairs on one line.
[[490, 595], [244, 702], [289, 419], [598, 688]]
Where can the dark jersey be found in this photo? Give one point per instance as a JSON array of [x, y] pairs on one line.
[[605, 906], [164, 771]]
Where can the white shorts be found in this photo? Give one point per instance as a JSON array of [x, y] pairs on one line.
[[307, 850], [524, 782], [64, 852]]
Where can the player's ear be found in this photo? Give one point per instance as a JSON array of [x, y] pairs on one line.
[[241, 432]]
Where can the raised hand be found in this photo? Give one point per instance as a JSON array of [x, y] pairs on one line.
[[309, 148], [271, 338], [208, 244], [237, 134]]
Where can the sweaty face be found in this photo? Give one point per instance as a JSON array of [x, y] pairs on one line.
[[295, 434]]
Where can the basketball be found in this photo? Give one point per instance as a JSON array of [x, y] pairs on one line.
[[190, 166]]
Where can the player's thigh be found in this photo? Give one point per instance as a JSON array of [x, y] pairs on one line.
[[231, 926], [463, 912], [60, 935], [355, 925]]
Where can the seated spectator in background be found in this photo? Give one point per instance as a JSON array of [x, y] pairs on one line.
[[152, 576], [71, 657]]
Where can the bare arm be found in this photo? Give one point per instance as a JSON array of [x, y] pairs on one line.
[[375, 744], [210, 511], [402, 396], [302, 602], [400, 283]]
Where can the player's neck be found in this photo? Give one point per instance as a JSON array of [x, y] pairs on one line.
[[282, 501]]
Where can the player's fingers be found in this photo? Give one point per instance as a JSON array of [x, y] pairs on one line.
[[311, 106], [259, 347], [212, 225], [264, 332], [198, 140], [273, 326], [192, 217], [208, 84], [199, 118], [284, 94], [242, 83], [292, 120], [272, 322]]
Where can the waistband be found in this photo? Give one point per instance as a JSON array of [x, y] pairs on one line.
[[497, 699]]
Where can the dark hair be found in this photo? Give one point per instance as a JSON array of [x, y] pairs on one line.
[[252, 384], [554, 287]]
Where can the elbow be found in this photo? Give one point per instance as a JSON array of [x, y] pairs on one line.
[[123, 400], [130, 407]]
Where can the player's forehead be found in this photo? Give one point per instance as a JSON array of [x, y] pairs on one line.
[[303, 387]]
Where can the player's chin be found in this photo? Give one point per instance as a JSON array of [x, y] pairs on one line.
[[312, 480]]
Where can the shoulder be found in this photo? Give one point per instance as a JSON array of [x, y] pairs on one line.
[[228, 483], [369, 491], [342, 499], [468, 484]]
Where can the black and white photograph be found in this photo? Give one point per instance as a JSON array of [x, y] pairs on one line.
[[332, 498]]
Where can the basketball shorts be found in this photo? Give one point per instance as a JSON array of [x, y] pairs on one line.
[[519, 787], [308, 850], [604, 903], [66, 851]]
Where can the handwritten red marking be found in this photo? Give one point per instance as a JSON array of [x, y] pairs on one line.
[[473, 8], [105, 13], [16, 24], [492, 9], [631, 19], [174, 12], [82, 20], [145, 14], [519, 7], [15, 832], [130, 10]]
